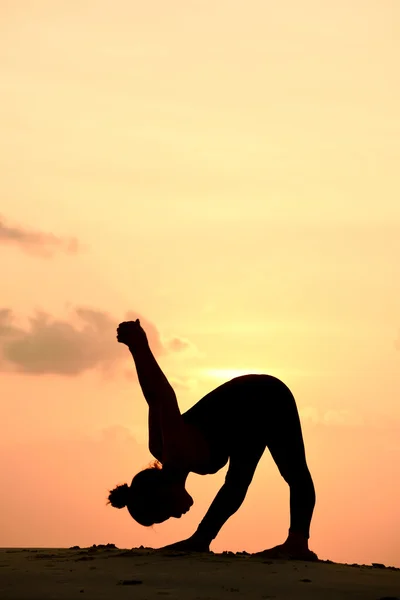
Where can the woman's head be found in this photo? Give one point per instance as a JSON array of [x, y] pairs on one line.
[[153, 496]]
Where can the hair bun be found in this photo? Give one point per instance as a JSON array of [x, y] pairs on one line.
[[118, 497]]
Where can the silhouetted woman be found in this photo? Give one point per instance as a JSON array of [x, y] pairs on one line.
[[234, 422]]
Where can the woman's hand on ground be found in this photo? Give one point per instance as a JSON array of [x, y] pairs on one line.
[[192, 544], [131, 333]]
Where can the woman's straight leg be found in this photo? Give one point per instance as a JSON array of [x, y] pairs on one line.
[[286, 445]]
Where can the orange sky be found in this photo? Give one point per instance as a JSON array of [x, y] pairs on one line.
[[229, 172]]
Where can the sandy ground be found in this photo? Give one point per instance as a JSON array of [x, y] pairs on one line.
[[103, 572]]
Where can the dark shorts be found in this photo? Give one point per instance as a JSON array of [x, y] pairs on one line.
[[246, 410]]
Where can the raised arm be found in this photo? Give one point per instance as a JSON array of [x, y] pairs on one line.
[[166, 426], [155, 386]]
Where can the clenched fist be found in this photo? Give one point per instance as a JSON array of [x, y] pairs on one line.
[[131, 333]]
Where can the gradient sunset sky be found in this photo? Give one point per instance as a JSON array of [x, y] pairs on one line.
[[229, 172]]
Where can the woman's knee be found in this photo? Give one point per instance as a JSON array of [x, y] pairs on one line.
[[297, 476]]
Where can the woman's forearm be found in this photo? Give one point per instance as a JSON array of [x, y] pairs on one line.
[[155, 386]]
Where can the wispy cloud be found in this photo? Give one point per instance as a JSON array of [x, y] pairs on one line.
[[69, 347], [178, 344], [35, 242]]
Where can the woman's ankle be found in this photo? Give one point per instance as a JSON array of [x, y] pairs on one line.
[[297, 540]]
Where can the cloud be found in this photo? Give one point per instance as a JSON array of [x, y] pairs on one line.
[[87, 340], [6, 322], [162, 345], [178, 344], [37, 243]]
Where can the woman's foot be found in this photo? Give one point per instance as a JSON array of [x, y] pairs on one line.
[[285, 553], [295, 548]]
